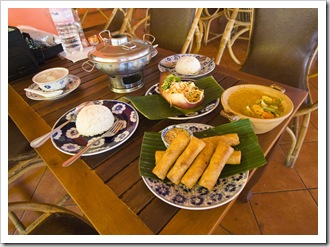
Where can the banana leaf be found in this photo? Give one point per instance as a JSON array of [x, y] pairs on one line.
[[252, 154], [155, 107]]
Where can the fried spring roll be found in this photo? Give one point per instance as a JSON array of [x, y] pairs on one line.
[[158, 155], [185, 160], [217, 162], [170, 156], [231, 139], [235, 158], [197, 168]]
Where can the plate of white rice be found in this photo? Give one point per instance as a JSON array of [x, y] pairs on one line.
[[206, 65], [100, 115]]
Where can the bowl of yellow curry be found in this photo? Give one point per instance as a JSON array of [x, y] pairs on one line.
[[266, 107]]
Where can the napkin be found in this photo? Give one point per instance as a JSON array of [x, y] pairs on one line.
[[77, 56]]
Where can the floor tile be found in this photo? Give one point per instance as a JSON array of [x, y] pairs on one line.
[[240, 220], [277, 176], [307, 164], [314, 193], [286, 213]]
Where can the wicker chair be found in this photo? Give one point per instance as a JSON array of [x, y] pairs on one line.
[[174, 35], [55, 219], [282, 47], [239, 23], [208, 16], [116, 22]]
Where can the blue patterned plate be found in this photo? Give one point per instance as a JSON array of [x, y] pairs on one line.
[[198, 198], [206, 110], [207, 65], [69, 141], [74, 82]]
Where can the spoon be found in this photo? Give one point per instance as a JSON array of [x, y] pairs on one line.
[[42, 139], [43, 93]]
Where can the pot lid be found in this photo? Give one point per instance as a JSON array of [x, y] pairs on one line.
[[129, 51]]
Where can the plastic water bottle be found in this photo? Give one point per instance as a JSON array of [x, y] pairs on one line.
[[67, 30], [83, 39]]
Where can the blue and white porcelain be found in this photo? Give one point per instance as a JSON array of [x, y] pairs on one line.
[[52, 79], [69, 141], [207, 64], [164, 131], [206, 110], [73, 83], [198, 198]]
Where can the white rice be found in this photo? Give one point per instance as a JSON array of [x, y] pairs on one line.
[[94, 120], [187, 65]]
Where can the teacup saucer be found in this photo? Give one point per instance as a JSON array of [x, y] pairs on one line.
[[74, 82]]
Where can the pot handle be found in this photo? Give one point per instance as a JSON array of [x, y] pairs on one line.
[[88, 63], [149, 41], [107, 38], [279, 88], [230, 116]]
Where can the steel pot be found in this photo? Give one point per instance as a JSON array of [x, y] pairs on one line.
[[120, 57]]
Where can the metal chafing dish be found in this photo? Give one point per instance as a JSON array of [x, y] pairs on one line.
[[122, 59]]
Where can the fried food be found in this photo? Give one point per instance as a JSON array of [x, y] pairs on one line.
[[197, 168], [171, 155], [231, 139], [217, 163], [185, 160]]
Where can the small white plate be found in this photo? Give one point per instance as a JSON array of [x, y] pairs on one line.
[[207, 65], [74, 82]]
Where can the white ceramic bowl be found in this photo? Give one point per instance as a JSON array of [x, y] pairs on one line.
[[260, 125], [170, 132], [52, 79]]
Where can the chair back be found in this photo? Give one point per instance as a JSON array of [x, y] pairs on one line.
[[282, 45], [171, 26]]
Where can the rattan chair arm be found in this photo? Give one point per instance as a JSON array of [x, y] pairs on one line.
[[306, 110]]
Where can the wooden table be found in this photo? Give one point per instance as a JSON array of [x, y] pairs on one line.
[[107, 187]]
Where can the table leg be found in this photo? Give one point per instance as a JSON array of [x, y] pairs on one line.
[[246, 194]]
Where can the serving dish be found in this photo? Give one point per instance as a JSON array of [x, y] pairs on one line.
[[260, 125], [69, 141], [212, 105], [162, 109], [252, 157], [207, 65], [73, 83]]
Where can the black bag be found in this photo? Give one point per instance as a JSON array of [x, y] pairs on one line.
[[21, 61]]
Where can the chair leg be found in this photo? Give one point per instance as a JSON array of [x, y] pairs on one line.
[[293, 155], [231, 43], [226, 36], [17, 223]]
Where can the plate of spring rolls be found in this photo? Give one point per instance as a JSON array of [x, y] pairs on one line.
[[204, 171]]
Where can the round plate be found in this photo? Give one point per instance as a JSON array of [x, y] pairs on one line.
[[198, 198], [207, 65], [74, 82], [206, 110], [69, 141]]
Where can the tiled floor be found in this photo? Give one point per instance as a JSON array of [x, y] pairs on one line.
[[284, 202]]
